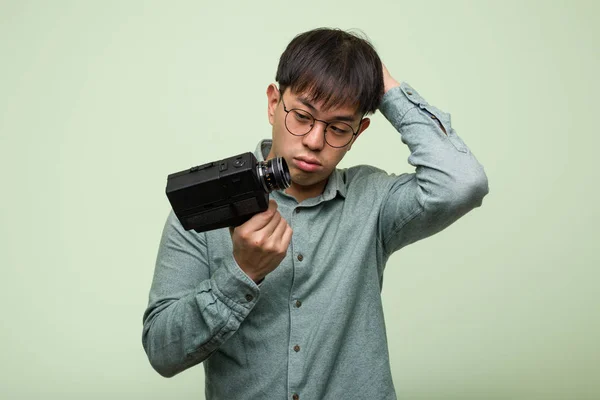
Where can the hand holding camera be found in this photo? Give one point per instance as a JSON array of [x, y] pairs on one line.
[[261, 243], [234, 193]]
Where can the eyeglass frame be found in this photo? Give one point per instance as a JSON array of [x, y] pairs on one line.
[[287, 112]]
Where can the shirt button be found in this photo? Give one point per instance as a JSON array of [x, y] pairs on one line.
[[300, 257], [408, 92], [295, 397], [297, 210], [296, 348], [249, 297], [298, 303]]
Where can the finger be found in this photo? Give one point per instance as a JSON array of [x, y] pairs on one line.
[[279, 231], [268, 229], [260, 220], [287, 236], [272, 204]]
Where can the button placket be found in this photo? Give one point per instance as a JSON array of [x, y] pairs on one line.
[[297, 330]]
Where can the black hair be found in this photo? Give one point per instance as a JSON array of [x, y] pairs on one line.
[[336, 67]]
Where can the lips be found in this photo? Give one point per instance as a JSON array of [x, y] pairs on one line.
[[309, 160], [307, 164]]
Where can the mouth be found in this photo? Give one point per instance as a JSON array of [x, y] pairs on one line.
[[307, 164]]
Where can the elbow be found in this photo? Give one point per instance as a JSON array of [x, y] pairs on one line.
[[158, 362], [159, 356], [473, 189], [461, 193], [470, 190], [166, 349], [168, 367], [170, 360], [164, 372]]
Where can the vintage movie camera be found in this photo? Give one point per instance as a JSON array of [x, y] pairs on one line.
[[225, 193]]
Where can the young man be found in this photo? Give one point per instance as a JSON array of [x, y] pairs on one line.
[[288, 304]]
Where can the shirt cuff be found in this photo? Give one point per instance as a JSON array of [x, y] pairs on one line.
[[399, 100], [234, 287]]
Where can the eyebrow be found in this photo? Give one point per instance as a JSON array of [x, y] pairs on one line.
[[346, 118]]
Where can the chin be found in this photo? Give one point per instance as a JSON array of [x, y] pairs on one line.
[[303, 180]]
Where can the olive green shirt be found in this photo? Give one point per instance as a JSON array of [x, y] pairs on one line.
[[314, 328]]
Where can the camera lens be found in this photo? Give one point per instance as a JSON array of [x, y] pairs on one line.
[[274, 174]]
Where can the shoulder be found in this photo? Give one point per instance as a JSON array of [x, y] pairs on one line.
[[358, 173], [366, 184], [365, 176], [176, 237]]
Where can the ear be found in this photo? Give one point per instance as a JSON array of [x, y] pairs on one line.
[[272, 101], [364, 124]]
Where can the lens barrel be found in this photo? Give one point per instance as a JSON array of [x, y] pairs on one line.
[[274, 174]]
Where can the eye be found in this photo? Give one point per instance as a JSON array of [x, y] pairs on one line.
[[340, 128], [302, 117]]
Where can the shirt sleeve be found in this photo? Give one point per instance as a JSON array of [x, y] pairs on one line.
[[448, 180], [192, 311]]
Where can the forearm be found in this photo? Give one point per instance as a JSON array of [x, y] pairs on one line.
[[447, 172], [191, 313], [186, 331], [448, 180]]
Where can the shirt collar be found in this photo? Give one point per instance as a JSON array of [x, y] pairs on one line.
[[335, 183]]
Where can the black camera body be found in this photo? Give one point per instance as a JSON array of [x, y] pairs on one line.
[[226, 192]]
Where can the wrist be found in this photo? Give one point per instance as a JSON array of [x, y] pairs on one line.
[[389, 84]]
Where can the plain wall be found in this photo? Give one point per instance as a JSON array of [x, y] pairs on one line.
[[101, 100]]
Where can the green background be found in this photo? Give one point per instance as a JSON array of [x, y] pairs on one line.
[[100, 100]]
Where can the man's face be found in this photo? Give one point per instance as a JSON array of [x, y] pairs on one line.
[[310, 159]]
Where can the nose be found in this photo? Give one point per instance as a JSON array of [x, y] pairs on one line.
[[315, 139]]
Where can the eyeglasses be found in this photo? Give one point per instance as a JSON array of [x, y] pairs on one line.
[[299, 122]]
